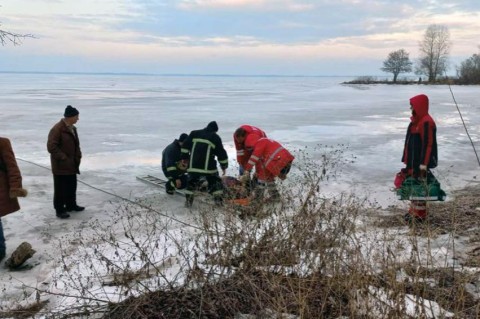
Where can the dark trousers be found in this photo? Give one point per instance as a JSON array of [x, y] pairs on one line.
[[2, 242], [215, 186], [65, 192], [195, 181]]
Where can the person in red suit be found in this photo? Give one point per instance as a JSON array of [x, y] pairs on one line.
[[271, 160], [420, 149], [245, 138]]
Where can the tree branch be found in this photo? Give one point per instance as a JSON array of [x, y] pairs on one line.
[[14, 38]]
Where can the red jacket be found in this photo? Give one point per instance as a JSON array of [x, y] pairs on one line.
[[421, 139], [273, 156], [244, 150]]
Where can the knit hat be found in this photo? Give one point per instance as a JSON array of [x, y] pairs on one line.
[[212, 126], [182, 137], [70, 111]]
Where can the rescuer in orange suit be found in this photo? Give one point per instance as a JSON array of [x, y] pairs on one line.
[[245, 138], [271, 160]]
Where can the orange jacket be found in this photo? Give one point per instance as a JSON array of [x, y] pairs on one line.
[[273, 155], [244, 150]]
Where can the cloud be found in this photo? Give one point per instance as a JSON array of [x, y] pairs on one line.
[[209, 31], [276, 5], [68, 7]]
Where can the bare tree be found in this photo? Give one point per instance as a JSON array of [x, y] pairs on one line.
[[434, 51], [469, 70], [396, 63], [15, 38]]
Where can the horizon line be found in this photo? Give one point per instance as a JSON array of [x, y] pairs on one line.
[[178, 74]]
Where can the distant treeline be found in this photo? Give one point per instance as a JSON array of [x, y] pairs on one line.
[[405, 81]]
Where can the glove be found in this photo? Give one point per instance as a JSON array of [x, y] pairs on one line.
[[178, 183], [182, 165], [245, 178], [423, 167], [18, 192]]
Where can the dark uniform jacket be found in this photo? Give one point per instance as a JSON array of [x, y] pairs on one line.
[[171, 156], [421, 139], [64, 148], [202, 146]]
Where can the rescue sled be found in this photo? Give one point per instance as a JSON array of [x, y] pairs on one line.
[[421, 189], [236, 198], [232, 189], [156, 181]]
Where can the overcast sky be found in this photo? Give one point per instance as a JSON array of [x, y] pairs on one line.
[[239, 37]]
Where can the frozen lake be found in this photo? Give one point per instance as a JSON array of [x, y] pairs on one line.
[[126, 121]]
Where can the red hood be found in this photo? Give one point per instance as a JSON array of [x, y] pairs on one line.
[[419, 104]]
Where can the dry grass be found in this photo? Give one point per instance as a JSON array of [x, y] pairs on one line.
[[310, 257], [24, 312], [306, 261]]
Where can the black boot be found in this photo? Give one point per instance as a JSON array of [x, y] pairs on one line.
[[188, 201], [75, 208], [218, 200], [170, 187], [62, 214]]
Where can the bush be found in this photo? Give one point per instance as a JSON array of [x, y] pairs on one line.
[[310, 256]]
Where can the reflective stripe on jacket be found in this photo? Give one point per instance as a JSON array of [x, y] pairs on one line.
[[244, 150], [272, 154], [201, 148]]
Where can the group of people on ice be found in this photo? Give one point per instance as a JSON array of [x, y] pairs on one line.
[[191, 160]]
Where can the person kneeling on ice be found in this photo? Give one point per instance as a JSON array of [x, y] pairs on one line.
[[200, 149], [420, 150], [245, 138], [274, 161], [173, 166]]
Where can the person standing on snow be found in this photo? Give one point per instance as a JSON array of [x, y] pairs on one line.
[[173, 166], [245, 138], [65, 156], [420, 150], [10, 186], [200, 149], [271, 160]]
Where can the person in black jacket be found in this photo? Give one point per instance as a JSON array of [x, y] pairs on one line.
[[200, 148], [173, 166]]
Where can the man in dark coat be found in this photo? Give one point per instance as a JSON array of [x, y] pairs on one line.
[[10, 186], [201, 148], [65, 156], [173, 166]]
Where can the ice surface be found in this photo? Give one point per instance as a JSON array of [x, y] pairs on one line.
[[126, 121]]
